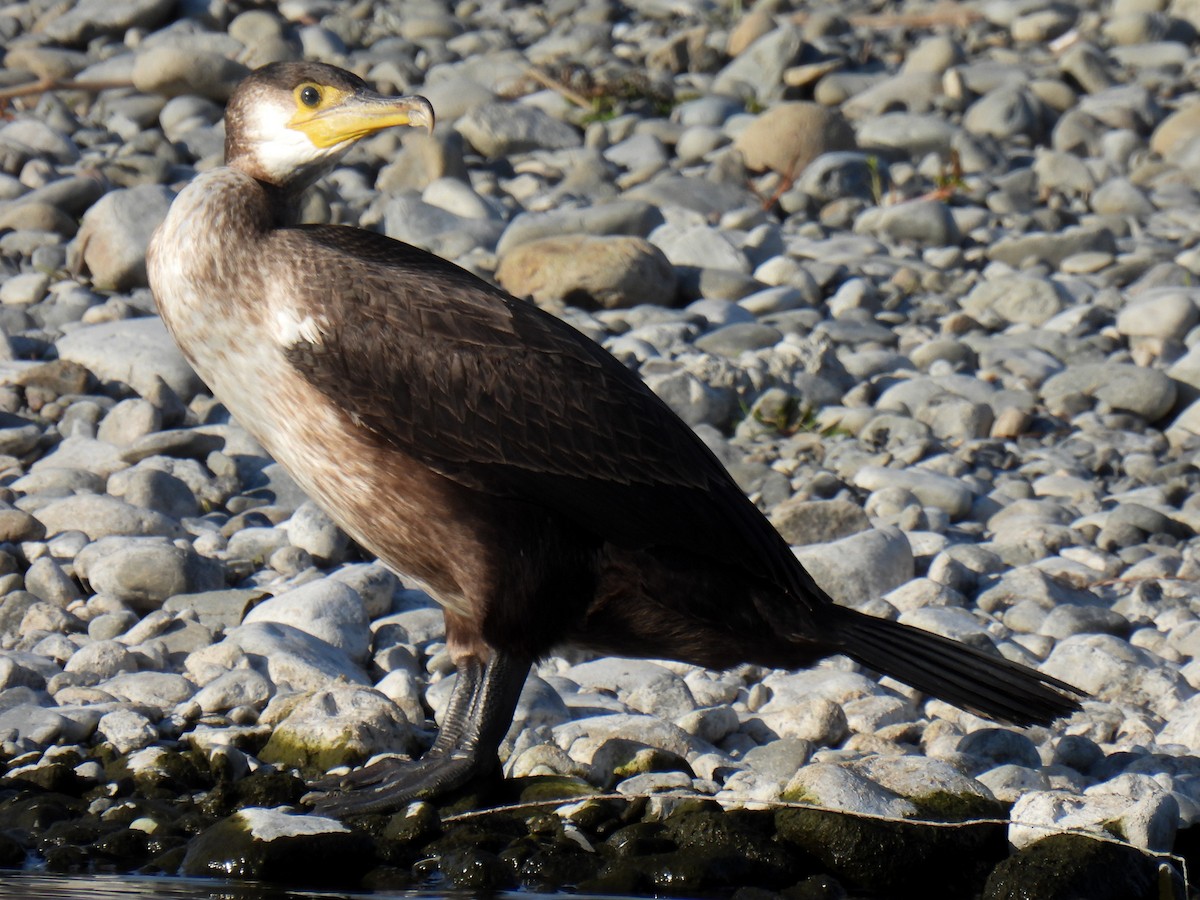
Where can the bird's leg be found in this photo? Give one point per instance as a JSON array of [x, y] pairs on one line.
[[477, 717]]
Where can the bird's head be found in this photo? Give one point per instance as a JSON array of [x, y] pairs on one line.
[[288, 123]]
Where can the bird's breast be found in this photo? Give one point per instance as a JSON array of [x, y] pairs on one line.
[[234, 309]]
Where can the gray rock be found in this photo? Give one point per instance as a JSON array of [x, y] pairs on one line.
[[860, 567], [712, 724], [43, 727], [737, 338], [46, 580], [341, 724], [956, 419], [1066, 620], [915, 92], [931, 488], [184, 443], [1118, 386], [404, 689], [28, 138], [218, 610], [1121, 197], [832, 787], [928, 223], [699, 245], [102, 659], [1110, 668], [414, 626], [99, 516], [161, 691], [289, 657], [710, 198], [254, 544], [813, 719], [912, 133], [128, 421], [838, 176], [310, 528], [375, 585], [1013, 299], [691, 399], [1053, 249], [24, 289], [935, 54], [326, 609], [757, 72], [90, 19], [136, 352], [627, 217], [1167, 313], [126, 730], [660, 691], [410, 219], [1141, 810], [503, 129], [990, 747], [115, 232], [919, 779], [582, 738], [144, 572], [176, 71], [1008, 782], [804, 522], [156, 490]]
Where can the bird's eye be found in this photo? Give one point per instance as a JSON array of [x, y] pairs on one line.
[[309, 96]]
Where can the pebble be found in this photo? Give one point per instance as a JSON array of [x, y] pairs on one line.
[[504, 129], [137, 352], [833, 787], [1137, 807], [789, 136], [291, 658], [326, 609], [937, 317], [342, 724], [115, 232], [614, 272], [174, 71]]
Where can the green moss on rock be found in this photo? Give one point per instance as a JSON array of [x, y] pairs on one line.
[[1067, 866], [879, 855], [948, 806], [312, 754], [541, 788]]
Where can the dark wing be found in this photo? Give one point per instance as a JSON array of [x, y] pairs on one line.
[[502, 397]]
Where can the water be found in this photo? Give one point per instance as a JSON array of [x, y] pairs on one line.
[[37, 886]]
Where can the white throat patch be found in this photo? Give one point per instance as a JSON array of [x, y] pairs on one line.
[[280, 150]]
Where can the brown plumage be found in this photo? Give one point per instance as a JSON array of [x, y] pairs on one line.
[[532, 482]]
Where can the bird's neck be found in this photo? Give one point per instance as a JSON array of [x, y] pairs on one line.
[[285, 202]]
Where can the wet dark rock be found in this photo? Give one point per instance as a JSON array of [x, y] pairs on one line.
[[885, 856], [273, 845], [1066, 866]]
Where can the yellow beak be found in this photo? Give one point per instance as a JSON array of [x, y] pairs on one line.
[[353, 116]]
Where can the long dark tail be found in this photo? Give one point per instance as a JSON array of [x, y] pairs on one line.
[[969, 678]]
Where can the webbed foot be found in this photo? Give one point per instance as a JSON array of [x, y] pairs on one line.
[[479, 713]]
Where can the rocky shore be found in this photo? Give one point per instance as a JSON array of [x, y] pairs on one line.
[[924, 277]]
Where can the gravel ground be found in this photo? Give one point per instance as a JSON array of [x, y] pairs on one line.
[[924, 277]]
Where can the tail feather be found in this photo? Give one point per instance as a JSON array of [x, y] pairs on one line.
[[969, 678]]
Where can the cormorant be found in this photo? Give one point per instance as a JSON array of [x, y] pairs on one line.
[[543, 494]]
